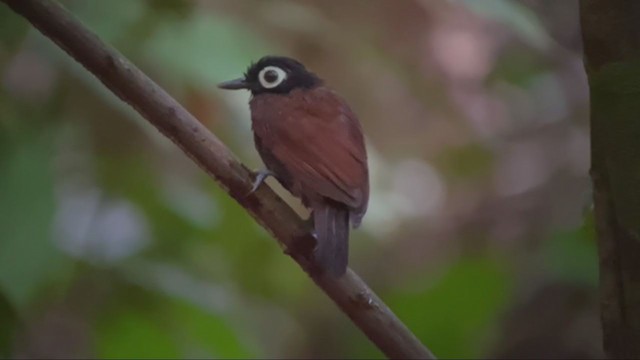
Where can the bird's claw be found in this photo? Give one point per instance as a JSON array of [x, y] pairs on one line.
[[261, 176]]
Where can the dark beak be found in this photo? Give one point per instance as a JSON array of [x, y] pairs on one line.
[[235, 84]]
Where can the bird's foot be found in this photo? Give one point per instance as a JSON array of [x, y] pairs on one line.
[[261, 176]]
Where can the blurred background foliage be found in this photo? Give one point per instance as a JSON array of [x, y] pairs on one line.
[[114, 244]]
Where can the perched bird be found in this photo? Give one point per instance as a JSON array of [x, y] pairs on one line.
[[312, 143]]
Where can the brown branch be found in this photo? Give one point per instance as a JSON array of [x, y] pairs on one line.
[[350, 293], [611, 40]]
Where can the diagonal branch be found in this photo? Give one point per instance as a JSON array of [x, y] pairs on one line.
[[350, 293]]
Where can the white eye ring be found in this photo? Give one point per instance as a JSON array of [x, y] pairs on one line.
[[281, 75]]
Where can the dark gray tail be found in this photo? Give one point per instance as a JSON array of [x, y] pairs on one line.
[[331, 222]]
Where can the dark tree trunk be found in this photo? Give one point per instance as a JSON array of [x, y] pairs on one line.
[[611, 37]]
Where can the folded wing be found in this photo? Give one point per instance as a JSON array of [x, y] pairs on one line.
[[326, 155]]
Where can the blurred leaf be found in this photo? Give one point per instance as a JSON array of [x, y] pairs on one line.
[[131, 176], [573, 255], [518, 17], [146, 322], [471, 162], [454, 314], [211, 332], [9, 321], [246, 246], [12, 28], [175, 8], [111, 20], [135, 335], [203, 49], [27, 256], [519, 68]]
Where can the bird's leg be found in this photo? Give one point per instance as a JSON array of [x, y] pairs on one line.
[[261, 176]]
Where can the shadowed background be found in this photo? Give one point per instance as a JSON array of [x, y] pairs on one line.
[[114, 244]]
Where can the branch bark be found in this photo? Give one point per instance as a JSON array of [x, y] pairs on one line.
[[611, 38], [350, 293]]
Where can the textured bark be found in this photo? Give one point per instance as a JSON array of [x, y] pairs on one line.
[[349, 292], [611, 37]]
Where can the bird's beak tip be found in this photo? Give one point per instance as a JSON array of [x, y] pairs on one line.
[[235, 84]]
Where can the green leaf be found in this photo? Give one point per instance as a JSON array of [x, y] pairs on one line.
[[243, 242], [203, 50], [573, 255], [454, 314], [470, 162], [9, 321], [135, 335], [146, 322], [208, 331], [111, 20], [27, 255], [12, 30]]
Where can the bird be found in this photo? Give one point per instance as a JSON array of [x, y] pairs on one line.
[[312, 142]]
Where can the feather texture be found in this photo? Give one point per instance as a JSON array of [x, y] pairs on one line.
[[313, 142], [331, 223]]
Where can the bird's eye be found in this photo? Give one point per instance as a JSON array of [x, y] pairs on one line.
[[271, 76]]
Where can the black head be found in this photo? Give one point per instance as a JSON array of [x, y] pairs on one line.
[[274, 74]]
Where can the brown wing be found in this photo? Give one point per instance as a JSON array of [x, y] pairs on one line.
[[321, 146]]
